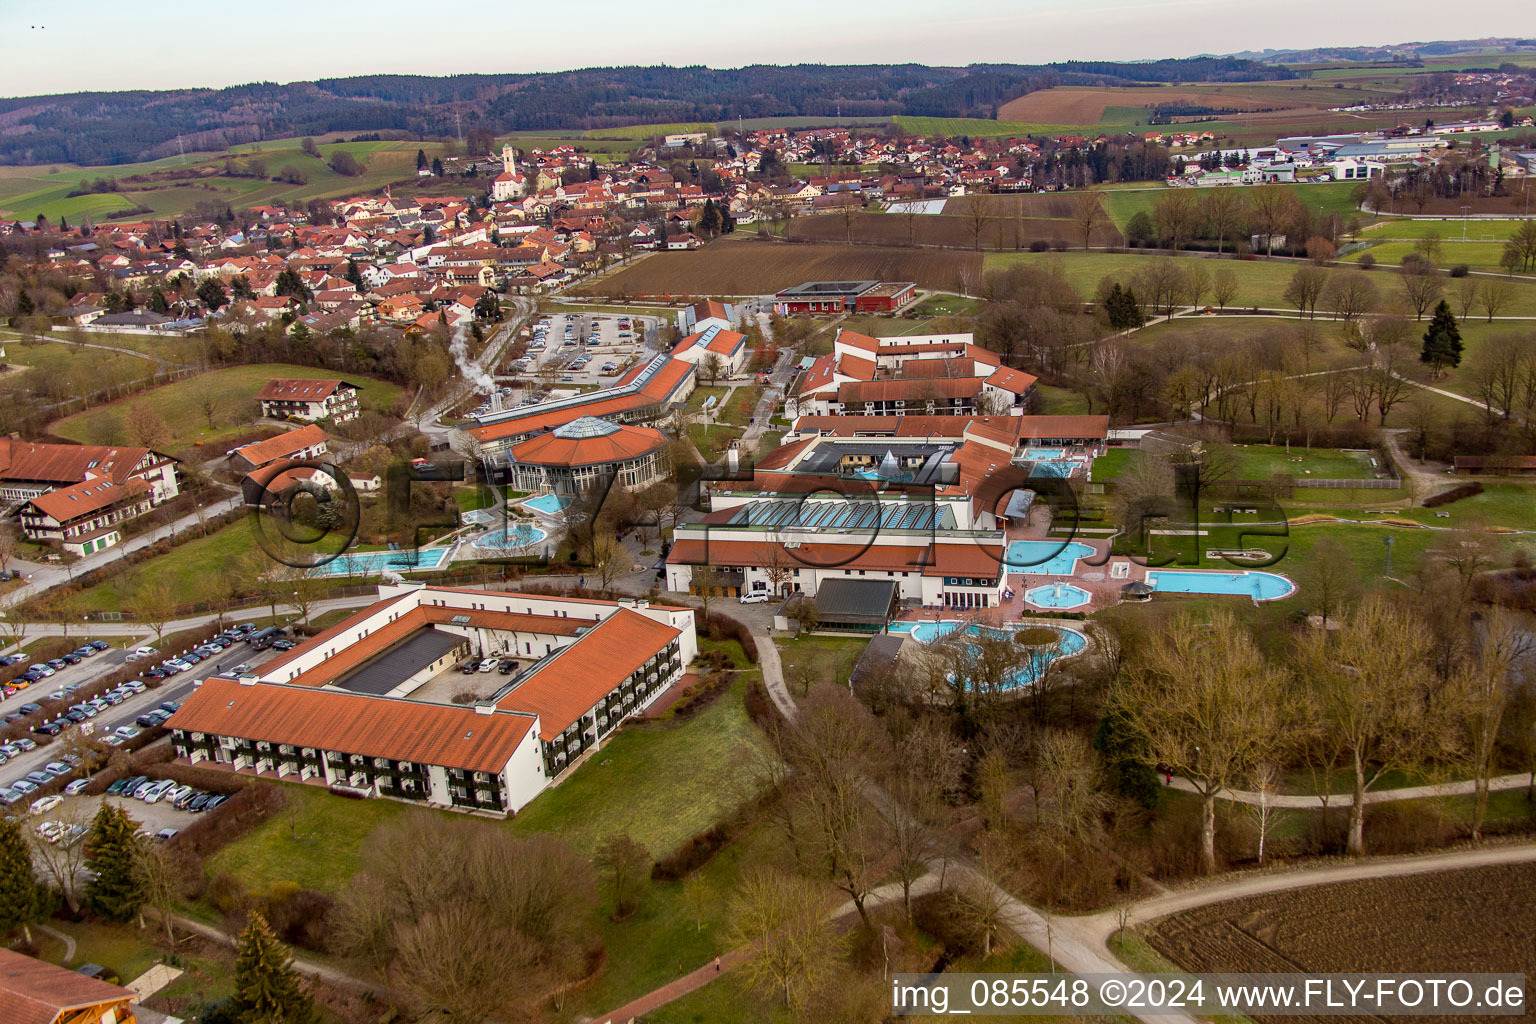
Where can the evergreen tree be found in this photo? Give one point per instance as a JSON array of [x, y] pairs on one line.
[[212, 293], [21, 899], [592, 170], [437, 167], [114, 891], [24, 306], [290, 283], [267, 989], [240, 287], [157, 303], [421, 159], [1121, 308], [709, 219], [180, 250], [354, 275], [487, 308], [63, 224], [1442, 341]]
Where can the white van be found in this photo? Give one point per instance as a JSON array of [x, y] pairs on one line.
[[755, 597]]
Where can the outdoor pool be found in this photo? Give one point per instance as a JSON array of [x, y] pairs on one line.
[[1035, 659], [546, 504], [1044, 557], [1261, 586], [518, 535], [1044, 454], [367, 563], [1058, 595], [1061, 468]]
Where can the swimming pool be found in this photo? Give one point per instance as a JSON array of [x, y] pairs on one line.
[[1044, 454], [1044, 557], [367, 563], [1062, 468], [518, 535], [546, 504], [1261, 586], [1058, 595], [1034, 660]]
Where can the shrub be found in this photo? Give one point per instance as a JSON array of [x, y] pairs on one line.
[[760, 708], [1459, 270], [1366, 261], [1454, 494], [1039, 245]]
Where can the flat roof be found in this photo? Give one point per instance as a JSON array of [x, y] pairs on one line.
[[810, 289], [397, 664], [863, 601]]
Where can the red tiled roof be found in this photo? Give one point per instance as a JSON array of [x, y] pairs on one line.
[[566, 686], [299, 389], [87, 497], [857, 340], [1013, 380], [259, 453], [440, 734], [36, 992], [908, 390], [66, 463], [621, 445], [959, 559]]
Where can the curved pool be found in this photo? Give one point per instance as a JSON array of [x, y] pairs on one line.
[[1260, 586], [1044, 557], [518, 535]]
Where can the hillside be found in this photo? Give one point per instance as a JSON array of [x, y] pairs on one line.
[[126, 127]]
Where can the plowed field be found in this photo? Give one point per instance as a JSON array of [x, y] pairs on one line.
[[1086, 106], [1477, 919], [1002, 229], [760, 268]]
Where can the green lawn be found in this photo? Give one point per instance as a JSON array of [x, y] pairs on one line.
[[320, 850], [180, 404], [1260, 462], [696, 400], [829, 659], [123, 950], [185, 570], [659, 782], [1448, 229], [1479, 255], [1056, 401], [89, 368], [955, 127], [645, 131], [1260, 282]]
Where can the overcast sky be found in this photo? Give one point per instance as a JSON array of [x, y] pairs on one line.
[[81, 45]]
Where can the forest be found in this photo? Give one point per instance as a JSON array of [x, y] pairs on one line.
[[124, 127]]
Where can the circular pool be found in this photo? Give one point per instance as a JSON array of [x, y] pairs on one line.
[[518, 535], [1058, 596]]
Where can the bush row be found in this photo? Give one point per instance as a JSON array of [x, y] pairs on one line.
[[1454, 494], [701, 847], [714, 626]]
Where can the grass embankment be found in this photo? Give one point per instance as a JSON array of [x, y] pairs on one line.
[[233, 390]]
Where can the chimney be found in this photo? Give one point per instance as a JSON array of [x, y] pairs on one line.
[[485, 707], [248, 679]]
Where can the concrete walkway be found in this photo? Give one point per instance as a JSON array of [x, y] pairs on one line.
[[1314, 801]]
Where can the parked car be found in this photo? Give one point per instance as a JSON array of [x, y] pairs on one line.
[[45, 804], [77, 787], [145, 652], [23, 787], [164, 834], [51, 728], [472, 665], [284, 645], [10, 796], [127, 732], [754, 597], [58, 769], [100, 645], [489, 664], [199, 803]]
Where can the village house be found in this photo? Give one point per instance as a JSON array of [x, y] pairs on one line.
[[306, 399]]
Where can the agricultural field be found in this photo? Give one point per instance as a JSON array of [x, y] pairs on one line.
[[233, 391], [997, 231], [975, 127], [1088, 105], [759, 268], [646, 131], [1376, 925]]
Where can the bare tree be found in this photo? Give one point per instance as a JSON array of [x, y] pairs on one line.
[[1306, 288], [1369, 688], [791, 946], [1349, 295], [1224, 288], [1197, 281], [1503, 647], [1264, 779], [1088, 211], [1422, 286], [1209, 706], [1494, 293], [159, 876], [976, 217], [1176, 216], [455, 960], [62, 863], [1223, 210]]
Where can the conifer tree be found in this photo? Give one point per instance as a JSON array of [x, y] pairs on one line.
[[114, 891], [267, 990], [21, 899], [1442, 341]]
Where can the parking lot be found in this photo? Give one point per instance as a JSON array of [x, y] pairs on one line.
[[123, 715], [577, 351]]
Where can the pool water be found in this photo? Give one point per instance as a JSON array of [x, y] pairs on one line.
[[1261, 586], [518, 535], [1053, 469], [546, 504], [1034, 659], [1044, 454], [1058, 595], [1044, 557], [367, 563]]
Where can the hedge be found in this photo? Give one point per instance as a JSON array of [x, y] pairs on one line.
[[1454, 494]]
